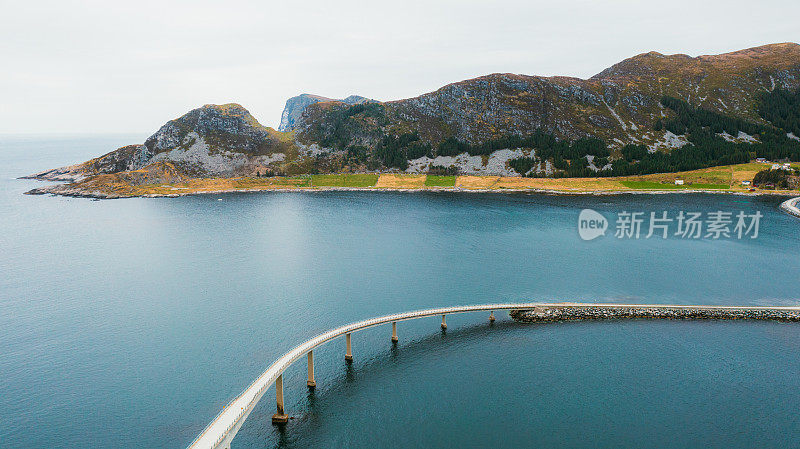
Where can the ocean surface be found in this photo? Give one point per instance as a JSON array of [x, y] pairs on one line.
[[130, 323]]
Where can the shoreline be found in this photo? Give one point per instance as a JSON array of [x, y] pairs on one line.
[[729, 179], [592, 312], [60, 190]]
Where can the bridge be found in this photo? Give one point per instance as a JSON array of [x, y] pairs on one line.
[[222, 429]]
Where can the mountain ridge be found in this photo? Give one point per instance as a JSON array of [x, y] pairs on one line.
[[628, 81], [581, 124]]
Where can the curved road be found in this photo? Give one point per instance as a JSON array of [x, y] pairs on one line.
[[220, 432]]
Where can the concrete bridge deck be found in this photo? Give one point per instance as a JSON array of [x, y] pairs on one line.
[[222, 429]]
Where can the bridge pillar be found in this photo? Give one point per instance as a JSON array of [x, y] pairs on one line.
[[491, 316], [394, 332], [280, 416], [349, 355], [444, 325], [311, 383]]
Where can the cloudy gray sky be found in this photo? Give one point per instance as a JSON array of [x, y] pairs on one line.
[[106, 66]]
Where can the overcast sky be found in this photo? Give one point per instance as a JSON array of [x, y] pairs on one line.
[[104, 66]]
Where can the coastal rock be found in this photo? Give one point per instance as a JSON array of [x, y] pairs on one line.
[[130, 157], [214, 140], [116, 185]]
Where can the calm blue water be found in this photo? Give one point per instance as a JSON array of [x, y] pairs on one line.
[[130, 323]]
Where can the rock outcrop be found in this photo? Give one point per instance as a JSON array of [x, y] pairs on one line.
[[214, 140], [116, 185], [217, 140], [130, 157], [296, 105]]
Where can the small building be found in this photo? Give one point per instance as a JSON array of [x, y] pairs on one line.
[[745, 183], [786, 166], [776, 166], [761, 159], [679, 182]]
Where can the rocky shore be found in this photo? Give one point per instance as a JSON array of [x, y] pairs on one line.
[[80, 191], [614, 311], [790, 207], [76, 192]]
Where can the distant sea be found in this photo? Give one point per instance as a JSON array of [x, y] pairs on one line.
[[130, 323]]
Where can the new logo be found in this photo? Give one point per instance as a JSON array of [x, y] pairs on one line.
[[591, 224]]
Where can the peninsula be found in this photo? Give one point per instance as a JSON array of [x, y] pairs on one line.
[[650, 123]]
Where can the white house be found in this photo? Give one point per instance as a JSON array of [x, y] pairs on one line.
[[745, 183], [679, 182]]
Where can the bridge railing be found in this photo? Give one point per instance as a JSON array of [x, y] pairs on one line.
[[230, 418]]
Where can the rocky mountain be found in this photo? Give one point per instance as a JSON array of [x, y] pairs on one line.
[[649, 113], [620, 104], [296, 105], [214, 140]]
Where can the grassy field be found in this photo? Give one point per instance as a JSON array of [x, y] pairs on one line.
[[476, 182], [357, 180], [396, 181], [652, 185], [729, 175], [277, 181], [440, 181], [200, 185], [724, 179], [559, 184]]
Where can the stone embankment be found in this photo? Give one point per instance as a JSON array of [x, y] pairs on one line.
[[613, 311], [790, 207]]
